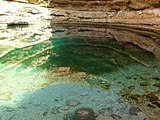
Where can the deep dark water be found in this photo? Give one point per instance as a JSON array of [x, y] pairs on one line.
[[91, 70]]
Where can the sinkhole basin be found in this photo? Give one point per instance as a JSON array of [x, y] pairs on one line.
[[47, 76]]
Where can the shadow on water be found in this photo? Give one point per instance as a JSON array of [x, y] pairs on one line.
[[109, 58], [59, 102]]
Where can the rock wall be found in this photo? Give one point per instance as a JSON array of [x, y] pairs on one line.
[[145, 39], [117, 11], [106, 4], [98, 4]]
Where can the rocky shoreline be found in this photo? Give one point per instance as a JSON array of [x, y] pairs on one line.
[[31, 14]]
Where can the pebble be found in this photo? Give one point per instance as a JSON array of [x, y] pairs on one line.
[[63, 69], [116, 117], [84, 114], [134, 110], [145, 84]]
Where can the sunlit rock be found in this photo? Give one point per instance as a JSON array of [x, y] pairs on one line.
[[64, 69]]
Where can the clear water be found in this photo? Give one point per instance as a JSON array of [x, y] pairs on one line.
[[75, 68]]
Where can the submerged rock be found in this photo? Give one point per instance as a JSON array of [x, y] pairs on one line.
[[73, 103], [45, 113], [2, 77], [101, 117], [55, 110], [84, 114], [152, 97], [134, 110], [156, 103], [135, 97], [145, 84], [116, 117], [8, 115], [157, 85], [63, 69], [156, 78], [5, 96], [109, 117]]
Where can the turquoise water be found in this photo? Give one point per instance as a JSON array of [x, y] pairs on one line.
[[53, 78]]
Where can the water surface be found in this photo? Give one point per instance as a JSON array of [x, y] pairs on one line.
[[76, 67]]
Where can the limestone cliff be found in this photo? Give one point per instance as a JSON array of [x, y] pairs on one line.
[[117, 11], [106, 4], [99, 4]]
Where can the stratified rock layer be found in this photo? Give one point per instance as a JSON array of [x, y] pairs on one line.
[[121, 11]]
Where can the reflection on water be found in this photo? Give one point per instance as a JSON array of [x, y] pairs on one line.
[[116, 61]]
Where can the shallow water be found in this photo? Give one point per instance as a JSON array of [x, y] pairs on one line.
[[99, 68]]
